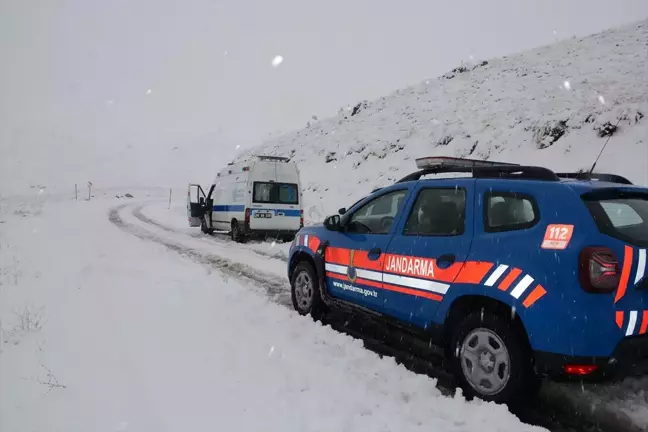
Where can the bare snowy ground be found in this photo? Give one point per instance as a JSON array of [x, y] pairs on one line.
[[103, 331]]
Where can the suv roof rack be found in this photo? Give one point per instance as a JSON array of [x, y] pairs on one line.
[[479, 169], [273, 158], [612, 178]]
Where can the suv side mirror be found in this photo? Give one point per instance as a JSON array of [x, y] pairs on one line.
[[332, 223], [342, 211]]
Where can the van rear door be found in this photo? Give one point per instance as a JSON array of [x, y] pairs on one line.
[[275, 206], [195, 204]]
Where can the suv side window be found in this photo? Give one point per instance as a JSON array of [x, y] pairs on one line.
[[377, 216], [509, 211], [438, 212]]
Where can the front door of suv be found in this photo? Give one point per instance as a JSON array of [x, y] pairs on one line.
[[428, 249], [354, 256]]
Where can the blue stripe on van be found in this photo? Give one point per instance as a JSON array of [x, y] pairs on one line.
[[229, 208]]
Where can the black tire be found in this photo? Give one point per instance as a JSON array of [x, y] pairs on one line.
[[522, 384], [235, 232], [306, 303]]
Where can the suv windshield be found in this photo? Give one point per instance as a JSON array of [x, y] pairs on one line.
[[275, 193], [621, 215]]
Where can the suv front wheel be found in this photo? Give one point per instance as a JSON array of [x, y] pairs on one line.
[[304, 290], [491, 360]]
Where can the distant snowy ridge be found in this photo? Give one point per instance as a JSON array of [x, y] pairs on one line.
[[553, 106]]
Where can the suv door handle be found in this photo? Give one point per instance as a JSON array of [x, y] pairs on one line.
[[446, 260], [374, 254]]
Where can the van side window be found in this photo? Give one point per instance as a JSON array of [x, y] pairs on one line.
[[438, 212], [509, 211], [377, 216]]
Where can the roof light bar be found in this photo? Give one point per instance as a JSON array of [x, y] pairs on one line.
[[444, 161]]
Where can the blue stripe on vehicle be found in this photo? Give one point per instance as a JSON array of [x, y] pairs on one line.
[[286, 212], [229, 208]]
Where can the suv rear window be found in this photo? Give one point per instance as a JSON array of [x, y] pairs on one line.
[[275, 193], [623, 216]]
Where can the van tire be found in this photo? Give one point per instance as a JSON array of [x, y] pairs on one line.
[[522, 383], [305, 291], [235, 232]]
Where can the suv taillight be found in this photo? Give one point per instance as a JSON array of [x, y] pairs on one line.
[[247, 217], [598, 270], [301, 218]]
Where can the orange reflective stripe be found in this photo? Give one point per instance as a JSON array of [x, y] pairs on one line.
[[337, 256], [537, 292], [508, 280], [625, 273], [473, 272], [403, 290], [313, 243], [644, 323], [619, 318], [361, 260]]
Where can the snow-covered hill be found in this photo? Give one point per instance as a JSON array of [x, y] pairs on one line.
[[552, 106]]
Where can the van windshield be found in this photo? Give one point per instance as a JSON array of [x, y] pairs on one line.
[[275, 193], [621, 215]]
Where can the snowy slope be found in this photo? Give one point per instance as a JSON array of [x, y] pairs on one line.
[[507, 109]]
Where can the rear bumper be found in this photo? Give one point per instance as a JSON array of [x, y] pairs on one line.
[[630, 358], [270, 233]]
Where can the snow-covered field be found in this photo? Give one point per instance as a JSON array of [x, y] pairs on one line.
[[115, 316], [105, 331]]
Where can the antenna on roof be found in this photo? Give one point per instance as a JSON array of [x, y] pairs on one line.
[[603, 148]]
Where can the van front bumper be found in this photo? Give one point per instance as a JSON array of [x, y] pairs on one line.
[[630, 358]]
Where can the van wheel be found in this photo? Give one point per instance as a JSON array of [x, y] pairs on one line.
[[236, 232], [305, 293], [491, 360]]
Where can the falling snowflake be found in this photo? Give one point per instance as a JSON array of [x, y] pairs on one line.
[[601, 99], [110, 102], [237, 147], [277, 61], [274, 243], [148, 92], [567, 85], [225, 53]]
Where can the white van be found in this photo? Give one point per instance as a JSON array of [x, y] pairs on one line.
[[260, 196]]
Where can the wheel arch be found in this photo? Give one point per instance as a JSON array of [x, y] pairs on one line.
[[464, 305], [298, 257]]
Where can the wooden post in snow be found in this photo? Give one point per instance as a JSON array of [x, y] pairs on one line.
[[76, 192], [89, 190], [170, 197]]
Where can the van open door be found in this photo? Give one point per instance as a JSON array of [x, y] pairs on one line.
[[195, 204]]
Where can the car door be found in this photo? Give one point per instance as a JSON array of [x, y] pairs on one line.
[[429, 247], [195, 204], [354, 256]]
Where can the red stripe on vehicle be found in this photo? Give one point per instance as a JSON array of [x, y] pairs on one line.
[[534, 296], [625, 273], [337, 256], [313, 243], [473, 272], [644, 323], [417, 293], [619, 318], [508, 280]]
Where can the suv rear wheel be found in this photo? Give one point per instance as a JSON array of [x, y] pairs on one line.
[[491, 360], [304, 290]]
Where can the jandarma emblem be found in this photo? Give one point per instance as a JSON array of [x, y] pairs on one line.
[[351, 271]]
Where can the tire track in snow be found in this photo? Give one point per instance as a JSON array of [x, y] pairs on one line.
[[274, 286], [552, 411], [137, 212]]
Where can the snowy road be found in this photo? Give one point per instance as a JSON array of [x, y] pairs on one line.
[[558, 410]]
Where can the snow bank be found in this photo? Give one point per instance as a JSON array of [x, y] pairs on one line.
[[553, 106], [103, 331]]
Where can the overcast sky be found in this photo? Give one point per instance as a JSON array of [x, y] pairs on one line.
[[177, 70]]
